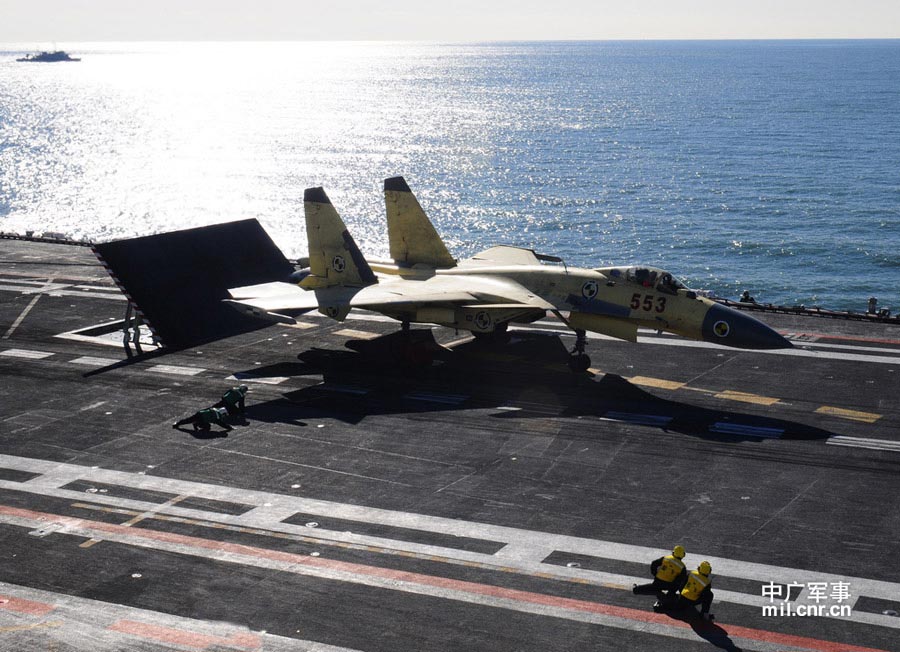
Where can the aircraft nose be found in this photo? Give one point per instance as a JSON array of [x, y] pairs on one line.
[[729, 327]]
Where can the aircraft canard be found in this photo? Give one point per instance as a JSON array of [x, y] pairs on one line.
[[492, 289]]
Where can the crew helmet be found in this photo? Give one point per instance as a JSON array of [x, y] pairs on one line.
[[243, 388], [678, 551], [704, 568]]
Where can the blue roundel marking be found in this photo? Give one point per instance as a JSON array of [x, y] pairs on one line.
[[589, 290], [483, 320]]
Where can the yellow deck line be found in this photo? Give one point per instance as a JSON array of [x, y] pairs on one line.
[[744, 397], [644, 381], [853, 415]]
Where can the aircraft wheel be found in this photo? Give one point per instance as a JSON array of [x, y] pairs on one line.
[[579, 362]]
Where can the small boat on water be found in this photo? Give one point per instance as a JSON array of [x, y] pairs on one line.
[[58, 55]]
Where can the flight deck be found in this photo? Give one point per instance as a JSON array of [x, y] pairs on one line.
[[492, 500]]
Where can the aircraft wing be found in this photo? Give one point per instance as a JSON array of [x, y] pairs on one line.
[[280, 300]]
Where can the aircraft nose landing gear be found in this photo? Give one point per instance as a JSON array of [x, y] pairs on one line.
[[579, 361]]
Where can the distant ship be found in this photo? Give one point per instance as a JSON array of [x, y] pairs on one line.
[[59, 55]]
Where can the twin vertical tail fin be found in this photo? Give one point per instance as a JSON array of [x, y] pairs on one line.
[[412, 237], [334, 258]]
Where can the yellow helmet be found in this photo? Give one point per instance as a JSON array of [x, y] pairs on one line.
[[704, 568], [678, 551]]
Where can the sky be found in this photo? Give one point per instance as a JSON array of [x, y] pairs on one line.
[[59, 21]]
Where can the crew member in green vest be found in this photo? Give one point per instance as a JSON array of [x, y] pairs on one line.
[[697, 590], [669, 573], [203, 419], [233, 400]]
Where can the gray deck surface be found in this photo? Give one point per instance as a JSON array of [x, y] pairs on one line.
[[493, 501]]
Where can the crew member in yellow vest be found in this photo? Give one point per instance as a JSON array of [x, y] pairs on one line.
[[669, 574], [697, 590]]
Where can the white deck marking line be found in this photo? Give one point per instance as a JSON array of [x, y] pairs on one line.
[[26, 354], [150, 513], [525, 549], [862, 442], [359, 335], [676, 341], [173, 369], [265, 380], [21, 317], [90, 361], [850, 347], [98, 626], [638, 419], [61, 291], [92, 406], [28, 308]]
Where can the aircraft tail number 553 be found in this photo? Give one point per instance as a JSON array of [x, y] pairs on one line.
[[647, 303]]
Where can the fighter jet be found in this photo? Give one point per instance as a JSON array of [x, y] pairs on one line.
[[486, 293]]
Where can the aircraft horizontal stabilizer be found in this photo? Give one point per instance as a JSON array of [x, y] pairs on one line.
[[252, 311], [504, 255]]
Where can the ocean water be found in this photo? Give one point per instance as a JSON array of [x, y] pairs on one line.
[[772, 166]]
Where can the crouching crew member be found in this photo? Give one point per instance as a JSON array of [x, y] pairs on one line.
[[202, 419], [233, 400], [697, 590], [669, 574]]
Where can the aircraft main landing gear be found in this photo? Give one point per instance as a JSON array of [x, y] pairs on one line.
[[499, 334], [579, 360], [415, 352]]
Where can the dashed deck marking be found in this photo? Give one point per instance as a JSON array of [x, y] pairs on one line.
[[524, 551], [416, 583], [173, 369], [250, 378], [644, 381], [852, 415], [862, 442], [357, 335], [659, 420], [19, 605], [26, 354], [746, 430], [744, 397], [244, 641], [99, 626], [90, 361]]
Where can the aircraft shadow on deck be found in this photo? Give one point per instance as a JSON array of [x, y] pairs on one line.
[[528, 373]]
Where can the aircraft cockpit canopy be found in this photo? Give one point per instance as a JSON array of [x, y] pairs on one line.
[[652, 277]]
